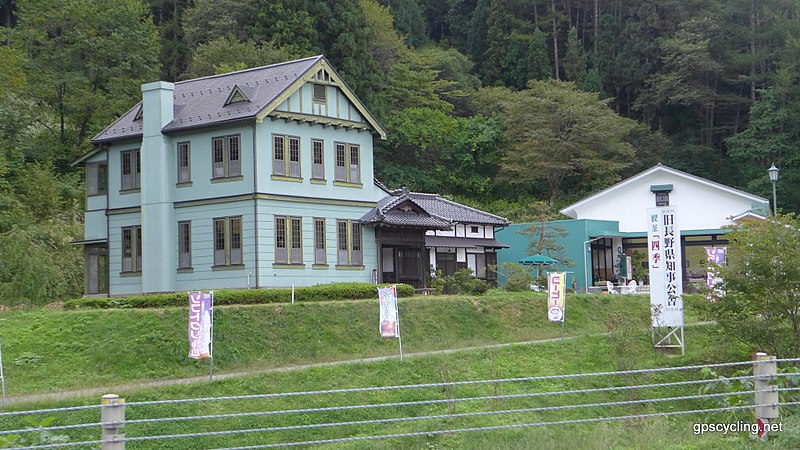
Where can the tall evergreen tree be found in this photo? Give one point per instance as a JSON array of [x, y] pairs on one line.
[[574, 59]]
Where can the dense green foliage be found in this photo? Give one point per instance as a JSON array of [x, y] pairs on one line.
[[318, 293], [759, 303], [466, 88]]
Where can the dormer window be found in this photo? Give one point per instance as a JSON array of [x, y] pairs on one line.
[[138, 115], [236, 96], [320, 93]]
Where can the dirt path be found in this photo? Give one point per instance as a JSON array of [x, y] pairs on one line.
[[99, 391]]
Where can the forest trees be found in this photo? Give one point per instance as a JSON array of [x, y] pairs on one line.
[[561, 138]]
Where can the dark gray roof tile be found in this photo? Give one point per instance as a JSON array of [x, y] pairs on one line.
[[201, 102]]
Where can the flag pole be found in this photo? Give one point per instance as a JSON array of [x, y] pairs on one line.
[[211, 342], [397, 314]]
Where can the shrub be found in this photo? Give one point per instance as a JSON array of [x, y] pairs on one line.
[[322, 292], [462, 282], [518, 277]]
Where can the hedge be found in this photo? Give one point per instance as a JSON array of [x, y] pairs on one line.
[[322, 292]]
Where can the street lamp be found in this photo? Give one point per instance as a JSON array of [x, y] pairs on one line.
[[773, 176]]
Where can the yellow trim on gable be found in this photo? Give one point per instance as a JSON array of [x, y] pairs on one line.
[[308, 76]]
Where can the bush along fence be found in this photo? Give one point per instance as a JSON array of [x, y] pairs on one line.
[[432, 412], [318, 293]]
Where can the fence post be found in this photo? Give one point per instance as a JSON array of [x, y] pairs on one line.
[[112, 416], [765, 370]]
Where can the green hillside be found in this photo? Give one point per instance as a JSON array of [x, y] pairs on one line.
[[50, 350]]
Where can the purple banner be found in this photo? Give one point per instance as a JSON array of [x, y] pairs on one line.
[[200, 304]]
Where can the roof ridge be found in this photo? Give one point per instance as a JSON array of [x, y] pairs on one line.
[[471, 208], [219, 75]]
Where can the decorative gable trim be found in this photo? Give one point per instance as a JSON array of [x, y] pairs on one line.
[[317, 74], [236, 96]]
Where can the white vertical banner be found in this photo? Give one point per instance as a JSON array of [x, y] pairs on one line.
[[388, 317], [666, 271], [556, 284], [200, 304]]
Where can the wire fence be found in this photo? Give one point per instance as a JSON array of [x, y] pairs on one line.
[[383, 412]]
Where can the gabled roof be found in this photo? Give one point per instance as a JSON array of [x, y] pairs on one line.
[[434, 212], [201, 102], [660, 168]]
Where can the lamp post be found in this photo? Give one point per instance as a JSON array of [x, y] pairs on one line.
[[773, 176]]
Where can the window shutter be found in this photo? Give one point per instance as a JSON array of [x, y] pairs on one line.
[[127, 250], [296, 238], [317, 161], [342, 257], [127, 171], [236, 240], [294, 157], [341, 164], [357, 252], [183, 163], [234, 157], [219, 158], [355, 168], [319, 242], [138, 249], [278, 161], [219, 242], [138, 176]]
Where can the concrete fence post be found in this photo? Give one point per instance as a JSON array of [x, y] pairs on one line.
[[765, 370], [112, 416]]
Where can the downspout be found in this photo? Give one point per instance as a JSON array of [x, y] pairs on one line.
[[255, 200], [108, 225]]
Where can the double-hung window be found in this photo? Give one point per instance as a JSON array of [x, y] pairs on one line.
[[184, 163], [228, 241], [96, 179], [349, 243], [317, 159], [286, 156], [131, 169], [185, 245], [348, 163], [288, 240], [227, 153], [132, 249]]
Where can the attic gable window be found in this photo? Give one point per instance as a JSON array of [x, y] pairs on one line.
[[320, 93], [139, 114], [236, 96]]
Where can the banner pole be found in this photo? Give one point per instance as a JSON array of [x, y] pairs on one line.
[[2, 375], [211, 344], [397, 314], [562, 331]]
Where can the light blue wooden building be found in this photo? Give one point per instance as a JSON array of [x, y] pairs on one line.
[[256, 178]]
